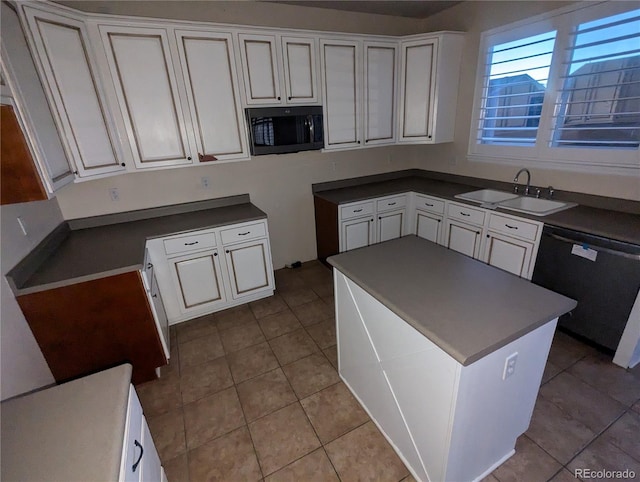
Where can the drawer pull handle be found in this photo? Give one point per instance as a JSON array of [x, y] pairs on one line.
[[191, 244], [357, 210], [511, 227], [244, 234], [427, 204], [465, 214], [149, 266], [391, 204], [135, 466]]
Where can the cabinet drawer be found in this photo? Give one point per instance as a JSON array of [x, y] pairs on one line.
[[390, 203], [355, 210], [514, 227], [465, 213], [243, 233], [190, 242], [430, 204]]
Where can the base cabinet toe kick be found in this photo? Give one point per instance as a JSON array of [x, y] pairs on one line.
[[449, 376]]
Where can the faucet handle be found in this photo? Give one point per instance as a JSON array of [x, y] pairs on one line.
[[515, 189], [551, 191], [537, 193]]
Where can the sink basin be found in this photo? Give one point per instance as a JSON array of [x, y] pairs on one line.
[[486, 196], [535, 206]]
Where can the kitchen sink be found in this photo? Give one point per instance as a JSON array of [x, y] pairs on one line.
[[535, 206], [486, 196]]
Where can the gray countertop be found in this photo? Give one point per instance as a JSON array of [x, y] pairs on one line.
[[467, 308], [104, 250], [607, 223], [69, 432]]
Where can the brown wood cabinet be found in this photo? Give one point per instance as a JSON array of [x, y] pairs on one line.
[[18, 173], [87, 327]]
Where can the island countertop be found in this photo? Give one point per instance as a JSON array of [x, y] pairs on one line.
[[467, 308], [72, 431]]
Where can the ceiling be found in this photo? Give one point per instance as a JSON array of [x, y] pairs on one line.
[[400, 8]]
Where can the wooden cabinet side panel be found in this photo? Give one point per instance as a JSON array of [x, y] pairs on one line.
[[90, 326], [327, 241], [20, 179]]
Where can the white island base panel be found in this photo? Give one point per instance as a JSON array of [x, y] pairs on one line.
[[446, 421]]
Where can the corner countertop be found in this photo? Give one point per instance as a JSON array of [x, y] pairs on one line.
[[72, 431], [467, 308], [91, 248], [608, 223]]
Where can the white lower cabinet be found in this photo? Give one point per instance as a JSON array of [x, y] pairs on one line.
[[390, 225], [140, 460], [248, 266], [428, 225], [512, 244], [198, 280], [213, 269], [356, 233], [463, 238]]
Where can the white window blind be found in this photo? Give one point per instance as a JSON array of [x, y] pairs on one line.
[[599, 102], [514, 85]]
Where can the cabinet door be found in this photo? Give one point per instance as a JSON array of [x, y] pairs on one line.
[[197, 280], [63, 49], [260, 69], [428, 225], [341, 93], [417, 91], [464, 238], [507, 253], [21, 82], [300, 78], [147, 94], [356, 233], [212, 91], [249, 267], [390, 225], [379, 93]]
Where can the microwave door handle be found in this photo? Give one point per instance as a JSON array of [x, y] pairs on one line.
[[311, 128]]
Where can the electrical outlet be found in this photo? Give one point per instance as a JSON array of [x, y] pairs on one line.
[[205, 182], [114, 194], [510, 365]]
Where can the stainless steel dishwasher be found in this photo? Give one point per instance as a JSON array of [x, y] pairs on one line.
[[601, 274]]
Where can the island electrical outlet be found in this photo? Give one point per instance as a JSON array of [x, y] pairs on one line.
[[510, 365]]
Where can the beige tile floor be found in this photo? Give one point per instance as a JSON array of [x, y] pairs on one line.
[[252, 393]]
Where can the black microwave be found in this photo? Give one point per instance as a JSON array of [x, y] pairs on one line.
[[278, 130]]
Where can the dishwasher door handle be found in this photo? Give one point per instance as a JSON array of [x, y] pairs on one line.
[[635, 257]]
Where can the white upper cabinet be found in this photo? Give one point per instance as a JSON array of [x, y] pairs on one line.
[[209, 74], [143, 73], [380, 67], [300, 78], [340, 61], [429, 88], [278, 70], [260, 69], [62, 47]]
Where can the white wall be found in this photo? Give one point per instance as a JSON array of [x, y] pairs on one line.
[[474, 18], [22, 366], [280, 185]]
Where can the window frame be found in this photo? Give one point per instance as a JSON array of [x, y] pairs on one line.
[[542, 154]]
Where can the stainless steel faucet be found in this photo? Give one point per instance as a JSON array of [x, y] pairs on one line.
[[515, 179]]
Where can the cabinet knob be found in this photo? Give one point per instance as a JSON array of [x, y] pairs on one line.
[[439, 220], [488, 236], [227, 251], [75, 172], [189, 158], [123, 164], [289, 98], [358, 142], [279, 98], [429, 137], [379, 217], [154, 296], [215, 254]]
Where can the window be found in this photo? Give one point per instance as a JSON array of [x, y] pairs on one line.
[[562, 91]]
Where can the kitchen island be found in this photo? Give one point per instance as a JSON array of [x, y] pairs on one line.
[[444, 352]]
